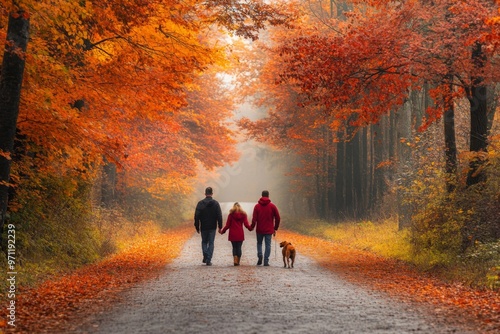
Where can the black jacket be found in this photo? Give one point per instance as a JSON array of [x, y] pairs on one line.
[[207, 215]]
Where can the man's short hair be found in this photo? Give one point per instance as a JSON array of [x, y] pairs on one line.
[[265, 193], [209, 191]]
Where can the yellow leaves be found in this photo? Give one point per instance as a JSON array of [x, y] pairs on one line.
[[493, 277], [172, 182]]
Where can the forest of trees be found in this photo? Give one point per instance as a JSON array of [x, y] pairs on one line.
[[389, 107], [113, 107], [108, 110]]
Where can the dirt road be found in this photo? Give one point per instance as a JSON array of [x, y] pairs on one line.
[[190, 297]]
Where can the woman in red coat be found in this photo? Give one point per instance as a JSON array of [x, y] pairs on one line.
[[235, 221]]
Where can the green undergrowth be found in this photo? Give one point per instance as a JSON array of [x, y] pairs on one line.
[[478, 266], [382, 238], [58, 229]]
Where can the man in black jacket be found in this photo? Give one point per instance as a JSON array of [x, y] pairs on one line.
[[207, 217]]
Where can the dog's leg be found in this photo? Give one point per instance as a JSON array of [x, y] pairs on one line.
[[284, 263]]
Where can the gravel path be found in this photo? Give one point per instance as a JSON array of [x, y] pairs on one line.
[[193, 298]]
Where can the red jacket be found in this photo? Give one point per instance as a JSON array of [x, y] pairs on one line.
[[265, 216], [235, 222]]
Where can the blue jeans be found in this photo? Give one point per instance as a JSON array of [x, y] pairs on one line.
[[267, 252], [207, 244]]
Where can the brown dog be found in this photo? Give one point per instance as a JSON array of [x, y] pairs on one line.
[[288, 253]]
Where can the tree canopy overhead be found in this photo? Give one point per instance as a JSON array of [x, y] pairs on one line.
[[132, 83]]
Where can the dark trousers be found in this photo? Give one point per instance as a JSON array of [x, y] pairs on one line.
[[207, 244], [237, 247]]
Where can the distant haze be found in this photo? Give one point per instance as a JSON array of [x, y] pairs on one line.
[[259, 168], [246, 206]]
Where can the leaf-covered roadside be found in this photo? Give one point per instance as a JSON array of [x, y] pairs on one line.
[[52, 305], [401, 281]]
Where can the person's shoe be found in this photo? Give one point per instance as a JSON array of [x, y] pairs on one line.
[[260, 261], [266, 263], [204, 259], [236, 261], [209, 263]]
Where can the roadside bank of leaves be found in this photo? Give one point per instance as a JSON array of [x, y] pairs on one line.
[[50, 307], [402, 281]]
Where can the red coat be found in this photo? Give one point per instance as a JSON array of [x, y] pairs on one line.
[[265, 216], [235, 222]]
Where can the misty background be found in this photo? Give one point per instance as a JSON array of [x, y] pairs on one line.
[[259, 168]]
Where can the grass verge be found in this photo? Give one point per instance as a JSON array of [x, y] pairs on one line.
[[478, 267]]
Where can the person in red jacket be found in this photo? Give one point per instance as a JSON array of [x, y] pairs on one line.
[[267, 218], [235, 221]]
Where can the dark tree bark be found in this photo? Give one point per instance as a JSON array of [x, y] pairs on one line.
[[492, 103], [450, 142], [357, 175], [340, 177], [331, 174], [11, 80], [326, 171], [478, 117], [348, 174], [403, 127], [371, 180], [365, 172], [378, 158], [392, 142], [319, 193]]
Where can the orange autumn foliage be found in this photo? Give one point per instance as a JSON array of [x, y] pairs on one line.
[[357, 67], [111, 81]]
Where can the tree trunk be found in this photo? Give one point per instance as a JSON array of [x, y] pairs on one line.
[[478, 117], [331, 177], [365, 172], [108, 184], [348, 177], [371, 181], [404, 162], [340, 177], [10, 94], [492, 103], [378, 158], [357, 175], [319, 193], [326, 171], [450, 141]]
